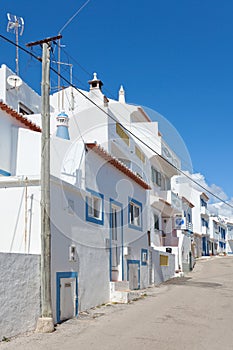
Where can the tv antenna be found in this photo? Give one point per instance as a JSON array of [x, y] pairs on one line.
[[59, 48], [16, 25]]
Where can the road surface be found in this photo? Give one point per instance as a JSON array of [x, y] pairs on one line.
[[191, 312]]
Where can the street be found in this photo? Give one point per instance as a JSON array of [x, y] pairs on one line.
[[191, 312]]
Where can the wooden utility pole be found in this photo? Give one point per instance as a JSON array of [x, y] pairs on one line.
[[45, 323]]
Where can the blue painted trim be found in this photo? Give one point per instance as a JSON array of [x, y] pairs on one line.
[[120, 205], [60, 275], [91, 218], [139, 204], [4, 173], [144, 263], [134, 262]]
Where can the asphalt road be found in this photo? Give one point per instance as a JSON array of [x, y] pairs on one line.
[[192, 312]]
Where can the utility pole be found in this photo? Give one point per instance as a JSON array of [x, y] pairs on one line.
[[45, 322]]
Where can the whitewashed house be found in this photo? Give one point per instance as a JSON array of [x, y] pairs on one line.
[[100, 204], [214, 234], [118, 127], [218, 231], [229, 241], [200, 214], [218, 234], [184, 226]]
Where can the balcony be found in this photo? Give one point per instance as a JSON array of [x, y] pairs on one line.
[[204, 230], [205, 211], [172, 199], [170, 241], [169, 155], [186, 226]]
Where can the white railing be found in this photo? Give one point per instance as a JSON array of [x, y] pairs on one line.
[[204, 230], [172, 199], [205, 211], [169, 155]]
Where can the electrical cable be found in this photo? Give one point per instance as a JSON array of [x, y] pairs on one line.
[[128, 131]]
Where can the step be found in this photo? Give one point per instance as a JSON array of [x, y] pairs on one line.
[[121, 285], [120, 297]]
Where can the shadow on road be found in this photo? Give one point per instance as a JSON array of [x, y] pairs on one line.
[[188, 281]]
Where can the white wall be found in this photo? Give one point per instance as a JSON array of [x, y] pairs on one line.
[[106, 179], [92, 263], [163, 273], [28, 153], [6, 150], [89, 125], [19, 293], [181, 186], [23, 94], [20, 218]]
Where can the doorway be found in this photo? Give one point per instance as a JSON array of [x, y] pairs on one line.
[[67, 295], [116, 241]]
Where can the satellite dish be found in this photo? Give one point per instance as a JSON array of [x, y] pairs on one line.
[[14, 81]]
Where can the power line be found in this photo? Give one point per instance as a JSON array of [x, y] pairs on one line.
[[130, 132], [146, 145], [71, 18], [123, 105]]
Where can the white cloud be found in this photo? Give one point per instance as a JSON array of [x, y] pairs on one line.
[[216, 194]]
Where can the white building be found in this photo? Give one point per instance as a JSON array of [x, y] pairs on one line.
[[200, 214], [218, 234], [229, 242], [100, 201]]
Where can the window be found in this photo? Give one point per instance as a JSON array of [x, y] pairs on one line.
[[163, 260], [204, 223], [156, 176], [70, 206], [156, 222], [144, 256], [120, 131], [94, 207], [203, 203], [24, 109], [223, 233], [135, 213], [189, 218], [139, 154]]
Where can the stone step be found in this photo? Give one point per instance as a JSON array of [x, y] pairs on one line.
[[121, 285], [120, 297], [120, 292]]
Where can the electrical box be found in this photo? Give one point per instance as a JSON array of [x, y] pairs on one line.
[[107, 243], [127, 251], [72, 253]]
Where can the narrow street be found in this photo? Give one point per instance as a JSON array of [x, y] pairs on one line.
[[192, 312]]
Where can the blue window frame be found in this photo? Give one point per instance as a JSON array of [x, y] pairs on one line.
[[95, 207], [144, 257], [135, 214]]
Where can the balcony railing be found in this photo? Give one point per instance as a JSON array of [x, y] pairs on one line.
[[204, 230], [170, 241], [169, 155], [172, 199], [186, 225], [205, 211]]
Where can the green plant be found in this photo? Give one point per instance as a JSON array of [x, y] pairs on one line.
[[5, 339]]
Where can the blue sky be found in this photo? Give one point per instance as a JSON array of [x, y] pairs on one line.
[[174, 57]]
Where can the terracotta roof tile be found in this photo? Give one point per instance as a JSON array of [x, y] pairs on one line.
[[117, 164], [26, 122]]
